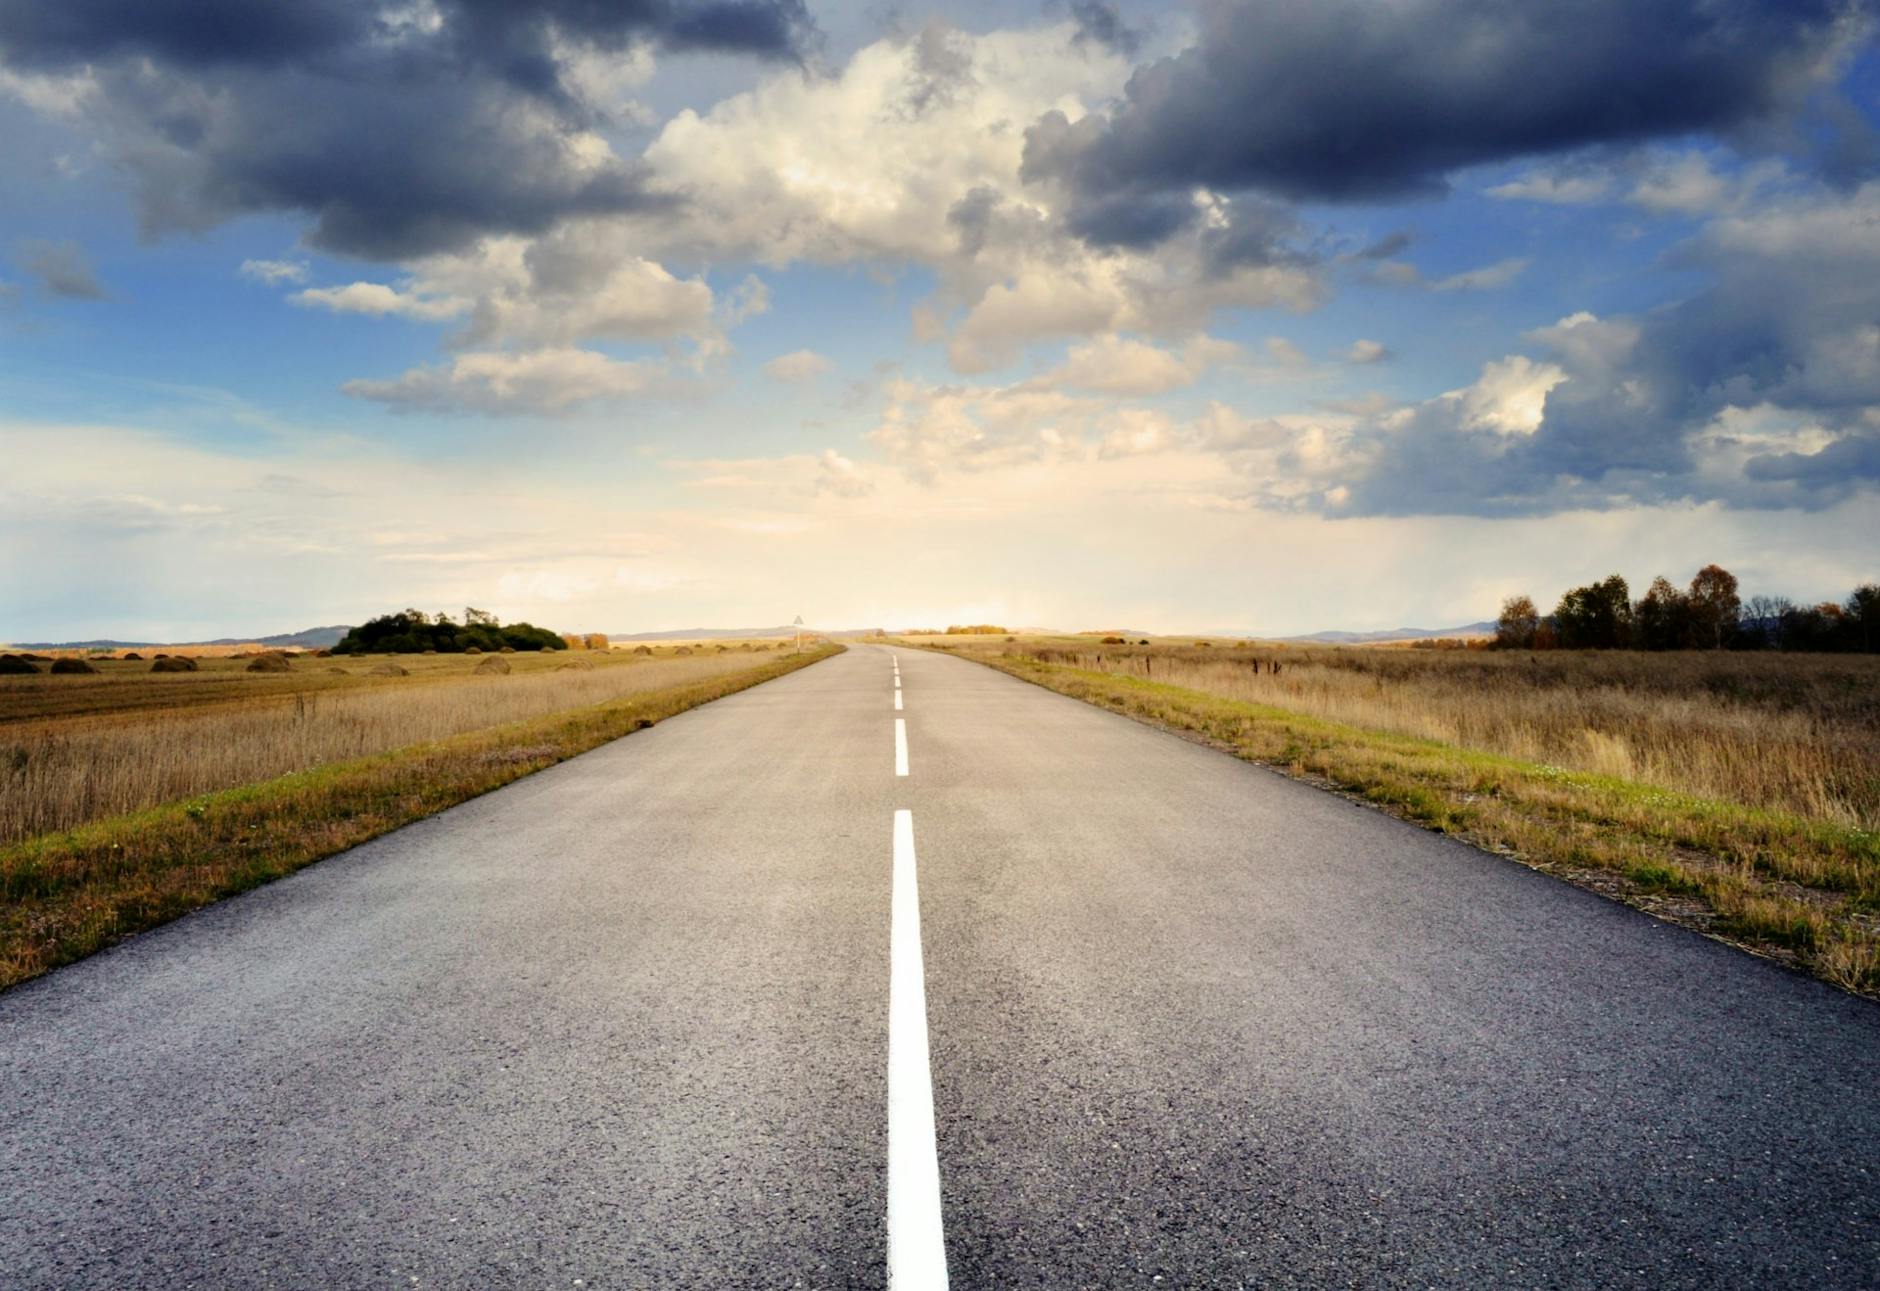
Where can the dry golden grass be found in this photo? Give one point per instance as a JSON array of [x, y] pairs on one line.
[[1797, 733], [119, 751]]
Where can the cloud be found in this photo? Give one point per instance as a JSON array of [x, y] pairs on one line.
[[1555, 188], [1401, 273], [842, 477], [798, 367], [1263, 101], [536, 382], [274, 273], [378, 300], [914, 156], [399, 130], [1120, 365], [1098, 22], [1761, 391], [61, 268], [1366, 351]]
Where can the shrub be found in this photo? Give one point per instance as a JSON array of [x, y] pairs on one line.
[[173, 663], [598, 641], [1107, 640]]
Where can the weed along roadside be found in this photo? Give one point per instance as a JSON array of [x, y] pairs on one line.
[[1800, 889], [66, 895]]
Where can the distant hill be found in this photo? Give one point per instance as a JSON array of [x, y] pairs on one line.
[[1395, 634], [305, 639]]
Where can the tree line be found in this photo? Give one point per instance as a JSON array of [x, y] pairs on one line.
[[1708, 615], [414, 632]]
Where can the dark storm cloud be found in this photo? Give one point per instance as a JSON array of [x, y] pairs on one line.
[[1099, 23], [400, 132], [1340, 100]]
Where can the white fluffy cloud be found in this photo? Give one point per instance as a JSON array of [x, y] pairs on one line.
[[493, 382], [797, 367]]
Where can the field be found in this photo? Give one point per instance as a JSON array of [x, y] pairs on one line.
[[1736, 793], [128, 797]]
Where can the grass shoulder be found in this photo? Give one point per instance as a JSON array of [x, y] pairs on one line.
[[67, 895], [1803, 891]]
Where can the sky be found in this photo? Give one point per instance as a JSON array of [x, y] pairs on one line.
[[1256, 317]]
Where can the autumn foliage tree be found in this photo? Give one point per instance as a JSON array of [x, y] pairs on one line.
[[1518, 624]]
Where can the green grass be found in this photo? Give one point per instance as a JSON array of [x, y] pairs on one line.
[[1804, 891], [64, 896]]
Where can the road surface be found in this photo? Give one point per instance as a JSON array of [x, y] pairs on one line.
[[652, 1018]]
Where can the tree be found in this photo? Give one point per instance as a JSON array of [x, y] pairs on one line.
[[1714, 608], [1595, 617], [475, 618], [1662, 619], [1761, 624], [1518, 623], [1862, 618]]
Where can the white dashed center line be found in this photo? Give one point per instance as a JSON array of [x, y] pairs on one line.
[[900, 746], [897, 701], [917, 1257]]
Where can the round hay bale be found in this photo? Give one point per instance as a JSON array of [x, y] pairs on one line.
[[493, 665], [37, 658], [507, 650], [173, 663], [13, 665], [720, 649], [576, 665], [388, 670], [683, 650], [129, 655], [269, 661], [642, 649], [323, 653], [473, 649], [430, 652], [68, 667]]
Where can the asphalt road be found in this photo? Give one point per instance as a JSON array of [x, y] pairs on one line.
[[626, 1023]]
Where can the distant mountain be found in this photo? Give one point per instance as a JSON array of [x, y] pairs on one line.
[[306, 639], [1394, 634]]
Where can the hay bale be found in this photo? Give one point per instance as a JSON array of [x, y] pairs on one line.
[[642, 649], [173, 663], [576, 665], [507, 650], [389, 670], [13, 665], [720, 648], [132, 654], [473, 649], [493, 665], [323, 654], [69, 667], [683, 650], [37, 658], [430, 652], [269, 661]]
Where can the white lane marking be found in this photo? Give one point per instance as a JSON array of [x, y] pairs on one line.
[[917, 1254], [897, 682], [900, 746], [897, 701]]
